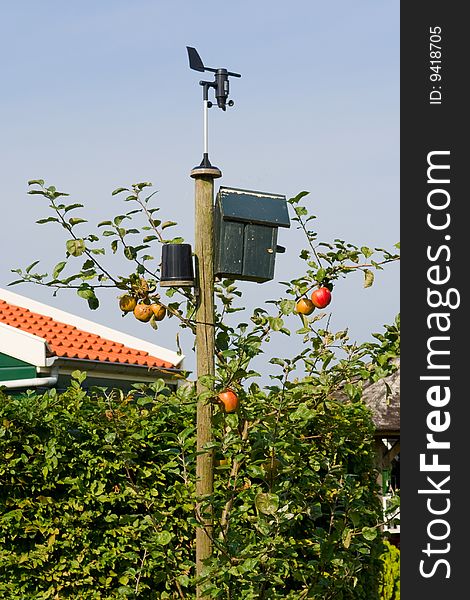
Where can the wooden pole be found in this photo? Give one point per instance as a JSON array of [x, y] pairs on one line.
[[205, 351]]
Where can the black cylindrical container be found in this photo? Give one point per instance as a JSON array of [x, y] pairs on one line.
[[177, 266]]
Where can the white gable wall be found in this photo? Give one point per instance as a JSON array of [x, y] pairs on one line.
[[23, 346]]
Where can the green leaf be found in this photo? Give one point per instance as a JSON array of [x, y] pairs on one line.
[[300, 211], [184, 580], [72, 207], [76, 220], [141, 185], [16, 282], [287, 306], [93, 303], [303, 413], [85, 293], [75, 247], [31, 266], [355, 517], [79, 376], [58, 268], [47, 220], [168, 224], [267, 503], [297, 198], [130, 252], [276, 323], [163, 538], [354, 392], [315, 511], [346, 537], [369, 533], [320, 275], [368, 278], [232, 420], [176, 240], [119, 190], [118, 219]]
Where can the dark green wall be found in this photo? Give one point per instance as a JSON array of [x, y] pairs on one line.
[[12, 368]]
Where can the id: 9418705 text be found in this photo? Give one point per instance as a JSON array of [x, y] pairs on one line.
[[435, 65]]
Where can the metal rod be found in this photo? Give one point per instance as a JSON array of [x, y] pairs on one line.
[[206, 127]]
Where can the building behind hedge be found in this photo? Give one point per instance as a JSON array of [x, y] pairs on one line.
[[40, 346]]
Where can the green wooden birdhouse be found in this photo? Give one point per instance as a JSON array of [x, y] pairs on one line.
[[246, 225]]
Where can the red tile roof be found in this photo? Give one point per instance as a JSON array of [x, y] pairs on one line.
[[67, 341]]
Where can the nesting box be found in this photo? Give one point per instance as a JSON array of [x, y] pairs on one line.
[[246, 225]]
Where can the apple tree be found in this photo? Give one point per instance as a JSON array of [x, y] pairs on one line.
[[295, 507]]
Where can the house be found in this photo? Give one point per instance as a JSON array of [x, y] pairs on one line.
[[40, 346], [383, 399]]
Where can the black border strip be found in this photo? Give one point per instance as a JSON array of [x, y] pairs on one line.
[[434, 396]]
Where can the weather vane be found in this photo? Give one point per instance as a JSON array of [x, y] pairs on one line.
[[221, 87]]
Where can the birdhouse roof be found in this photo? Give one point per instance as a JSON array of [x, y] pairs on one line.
[[253, 207]]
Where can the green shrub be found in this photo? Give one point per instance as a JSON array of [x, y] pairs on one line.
[[390, 573], [95, 501], [98, 491]]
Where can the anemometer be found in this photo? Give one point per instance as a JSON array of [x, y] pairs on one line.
[[221, 87]]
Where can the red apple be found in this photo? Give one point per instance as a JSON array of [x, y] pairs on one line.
[[229, 400], [321, 297]]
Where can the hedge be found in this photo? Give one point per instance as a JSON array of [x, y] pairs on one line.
[[98, 494]]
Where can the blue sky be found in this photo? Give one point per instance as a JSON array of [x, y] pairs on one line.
[[99, 94]]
